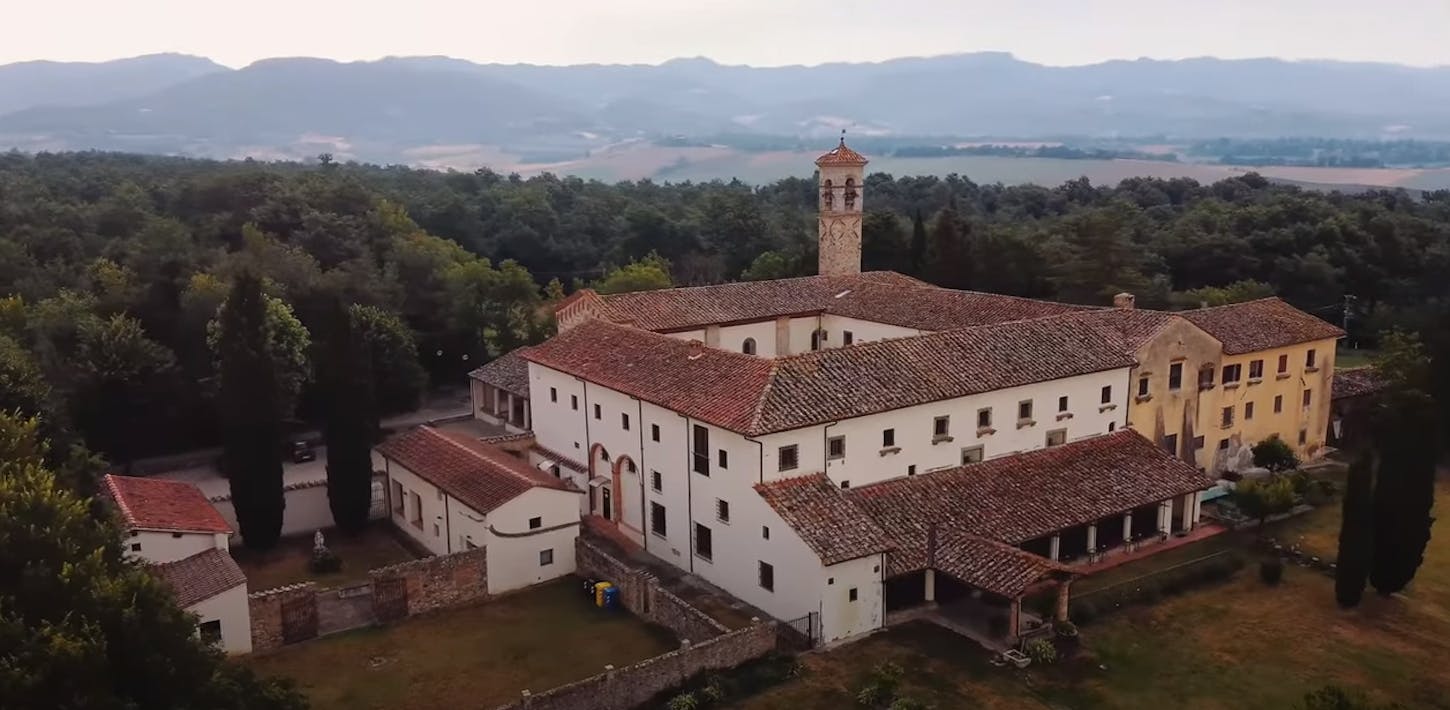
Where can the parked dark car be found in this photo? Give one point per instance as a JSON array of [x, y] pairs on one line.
[[302, 452]]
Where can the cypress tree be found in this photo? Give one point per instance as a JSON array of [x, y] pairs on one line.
[[345, 371], [1405, 436], [251, 402], [918, 244], [1356, 533]]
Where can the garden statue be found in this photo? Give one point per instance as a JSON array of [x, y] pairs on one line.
[[317, 542]]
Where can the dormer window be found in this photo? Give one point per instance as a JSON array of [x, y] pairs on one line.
[[828, 195]]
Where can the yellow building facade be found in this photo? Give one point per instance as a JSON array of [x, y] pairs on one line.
[[1280, 392]]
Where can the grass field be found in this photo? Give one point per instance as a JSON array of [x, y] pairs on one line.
[[287, 562], [476, 657], [1239, 644]]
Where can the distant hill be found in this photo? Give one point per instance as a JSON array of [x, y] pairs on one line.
[[30, 84], [391, 109]]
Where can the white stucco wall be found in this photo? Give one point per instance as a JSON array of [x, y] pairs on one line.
[[867, 461], [841, 617], [862, 331], [432, 533], [159, 547], [307, 509], [513, 555], [229, 607]]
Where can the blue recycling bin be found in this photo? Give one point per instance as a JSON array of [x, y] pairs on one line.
[[611, 597]]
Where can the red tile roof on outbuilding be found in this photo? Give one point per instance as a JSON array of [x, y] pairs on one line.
[[481, 476], [200, 577], [824, 518], [994, 566], [508, 372], [161, 504], [1263, 324]]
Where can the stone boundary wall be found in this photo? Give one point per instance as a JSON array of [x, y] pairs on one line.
[[641, 593], [265, 609], [631, 686], [441, 582]]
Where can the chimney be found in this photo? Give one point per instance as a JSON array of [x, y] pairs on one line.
[[697, 349], [1124, 301]]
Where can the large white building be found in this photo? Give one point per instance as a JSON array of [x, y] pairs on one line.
[[182, 539]]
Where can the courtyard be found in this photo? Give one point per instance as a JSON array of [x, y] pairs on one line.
[[475, 657], [287, 563], [1232, 644]]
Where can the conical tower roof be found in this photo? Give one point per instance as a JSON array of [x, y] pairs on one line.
[[841, 155]]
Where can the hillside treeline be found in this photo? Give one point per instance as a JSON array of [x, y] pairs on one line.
[[112, 267]]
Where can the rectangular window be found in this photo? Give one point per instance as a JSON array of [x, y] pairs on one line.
[[657, 519], [536, 523], [888, 438], [210, 632], [1024, 409], [911, 470], [436, 531], [1143, 386], [789, 457], [553, 394], [1248, 411], [836, 447], [847, 484], [1062, 404], [656, 481], [598, 413], [1170, 444], [851, 594], [1256, 369], [1107, 394], [971, 454], [1283, 364], [702, 450], [1278, 403], [765, 532], [1223, 445], [704, 543], [722, 459], [417, 511], [1057, 437], [848, 337], [1308, 397], [398, 498], [941, 426], [624, 421], [722, 510], [546, 557], [767, 577], [1303, 437], [654, 432], [574, 402], [1309, 358], [1228, 416], [984, 418], [1197, 443], [1175, 376], [1205, 377], [1232, 373]]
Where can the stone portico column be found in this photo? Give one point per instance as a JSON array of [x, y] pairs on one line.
[[1062, 596], [1053, 547], [1187, 523], [1092, 541], [1014, 619], [930, 585], [1127, 526], [1165, 516]]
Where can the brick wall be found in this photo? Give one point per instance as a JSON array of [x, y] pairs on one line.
[[628, 687], [266, 612], [641, 593], [441, 582]]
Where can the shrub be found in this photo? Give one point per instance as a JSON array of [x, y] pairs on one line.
[[1041, 651], [1274, 454], [713, 692], [1064, 628], [683, 701], [324, 561], [1271, 570]]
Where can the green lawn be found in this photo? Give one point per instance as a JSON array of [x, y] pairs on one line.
[[1238, 644], [477, 657], [287, 562], [1345, 358]]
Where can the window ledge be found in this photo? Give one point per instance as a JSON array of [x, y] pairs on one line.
[[1255, 380], [1143, 398], [1225, 427], [1230, 385], [1282, 376], [1311, 368], [891, 450], [1024, 423], [1064, 415], [1205, 387], [940, 438], [985, 431], [1107, 408]]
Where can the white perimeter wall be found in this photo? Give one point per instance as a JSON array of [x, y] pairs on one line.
[[307, 508], [230, 608]]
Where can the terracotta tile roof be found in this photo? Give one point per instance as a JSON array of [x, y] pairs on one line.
[[160, 504], [200, 577], [932, 308], [714, 386], [1355, 382], [822, 515], [841, 155], [1260, 325], [479, 475], [994, 566], [1016, 498], [891, 374], [508, 372], [1131, 327]]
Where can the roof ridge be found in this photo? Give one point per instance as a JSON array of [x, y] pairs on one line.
[[759, 410], [119, 499], [1201, 309], [483, 457]]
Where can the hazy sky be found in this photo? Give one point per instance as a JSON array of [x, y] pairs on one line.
[[759, 32]]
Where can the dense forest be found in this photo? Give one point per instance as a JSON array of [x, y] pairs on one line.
[[1325, 152], [113, 267]]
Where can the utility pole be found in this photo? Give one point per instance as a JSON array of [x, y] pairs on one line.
[[1348, 304]]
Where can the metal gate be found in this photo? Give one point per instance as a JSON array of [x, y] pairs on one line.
[[803, 633], [390, 599], [299, 618]]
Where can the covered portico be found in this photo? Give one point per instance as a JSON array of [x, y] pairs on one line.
[[1123, 532], [500, 392]]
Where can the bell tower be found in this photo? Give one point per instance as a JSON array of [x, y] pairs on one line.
[[841, 175]]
